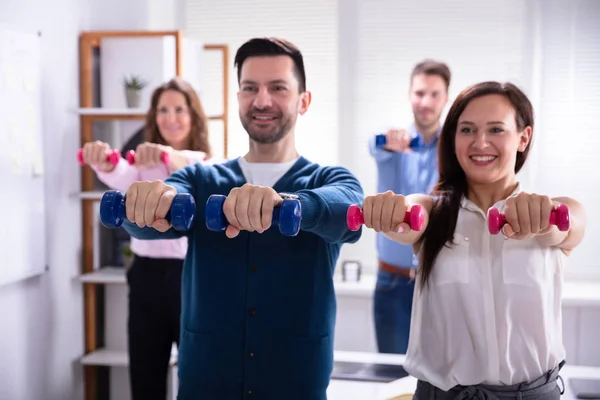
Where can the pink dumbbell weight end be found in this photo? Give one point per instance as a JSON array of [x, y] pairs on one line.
[[413, 217], [112, 157], [559, 217], [164, 157]]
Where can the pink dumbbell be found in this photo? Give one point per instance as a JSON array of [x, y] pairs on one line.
[[164, 157], [413, 217], [559, 217], [112, 157]]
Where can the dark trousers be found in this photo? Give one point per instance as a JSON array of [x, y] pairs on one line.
[[545, 387], [153, 324]]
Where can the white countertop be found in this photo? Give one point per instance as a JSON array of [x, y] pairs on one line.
[[349, 390], [366, 357], [575, 293]]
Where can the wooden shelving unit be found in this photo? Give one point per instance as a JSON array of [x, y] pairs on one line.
[[95, 356]]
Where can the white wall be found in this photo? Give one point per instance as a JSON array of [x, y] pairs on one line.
[[41, 331], [41, 336]]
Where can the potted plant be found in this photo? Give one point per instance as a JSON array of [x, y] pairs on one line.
[[133, 90], [127, 255]]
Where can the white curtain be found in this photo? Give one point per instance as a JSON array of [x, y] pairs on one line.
[[311, 25]]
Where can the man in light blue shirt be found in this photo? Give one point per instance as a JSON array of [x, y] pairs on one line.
[[406, 164]]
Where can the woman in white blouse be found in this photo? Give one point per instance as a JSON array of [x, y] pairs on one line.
[[487, 317]]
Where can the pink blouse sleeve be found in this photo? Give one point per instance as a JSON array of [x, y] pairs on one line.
[[121, 177]]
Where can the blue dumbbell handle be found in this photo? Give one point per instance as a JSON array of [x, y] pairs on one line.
[[381, 140], [113, 210], [287, 216]]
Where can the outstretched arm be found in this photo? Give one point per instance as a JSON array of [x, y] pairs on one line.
[[324, 208], [120, 177], [378, 153], [569, 240], [182, 158]]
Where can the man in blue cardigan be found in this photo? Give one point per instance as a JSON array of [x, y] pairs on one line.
[[258, 307]]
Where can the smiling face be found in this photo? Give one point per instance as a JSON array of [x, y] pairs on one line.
[[173, 118], [269, 99], [487, 139], [428, 96]]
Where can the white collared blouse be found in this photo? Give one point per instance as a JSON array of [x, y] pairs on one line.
[[491, 312]]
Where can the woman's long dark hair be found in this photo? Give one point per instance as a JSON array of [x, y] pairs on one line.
[[452, 183]]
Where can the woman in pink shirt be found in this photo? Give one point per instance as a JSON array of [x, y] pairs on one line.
[[176, 125]]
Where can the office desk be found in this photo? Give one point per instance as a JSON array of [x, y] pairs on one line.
[[364, 390]]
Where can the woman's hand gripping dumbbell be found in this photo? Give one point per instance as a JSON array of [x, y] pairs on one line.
[[163, 157], [387, 213], [152, 204], [149, 155], [527, 215], [99, 154], [255, 209]]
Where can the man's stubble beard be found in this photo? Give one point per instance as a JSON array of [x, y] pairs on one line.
[[428, 125], [280, 131]]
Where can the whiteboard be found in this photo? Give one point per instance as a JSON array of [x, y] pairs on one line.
[[22, 201]]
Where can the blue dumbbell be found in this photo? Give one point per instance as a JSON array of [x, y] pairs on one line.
[[287, 216], [381, 140], [181, 214]]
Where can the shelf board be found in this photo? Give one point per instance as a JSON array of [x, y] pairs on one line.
[[95, 195], [105, 114], [116, 358], [105, 275]]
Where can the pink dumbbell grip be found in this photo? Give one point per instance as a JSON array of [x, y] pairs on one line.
[[164, 157], [559, 217], [413, 217], [112, 157]]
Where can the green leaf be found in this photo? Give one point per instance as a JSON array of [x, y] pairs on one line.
[[135, 82]]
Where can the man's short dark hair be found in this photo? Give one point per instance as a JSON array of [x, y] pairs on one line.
[[432, 67], [258, 47]]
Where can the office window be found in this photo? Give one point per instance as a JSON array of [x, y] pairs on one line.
[[567, 136], [311, 25], [478, 40]]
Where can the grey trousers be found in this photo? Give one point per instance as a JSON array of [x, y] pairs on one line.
[[543, 388]]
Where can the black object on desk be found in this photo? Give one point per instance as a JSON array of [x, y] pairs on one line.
[[366, 372], [588, 389]]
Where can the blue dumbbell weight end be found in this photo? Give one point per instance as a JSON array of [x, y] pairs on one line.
[[381, 140], [287, 216], [181, 215]]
